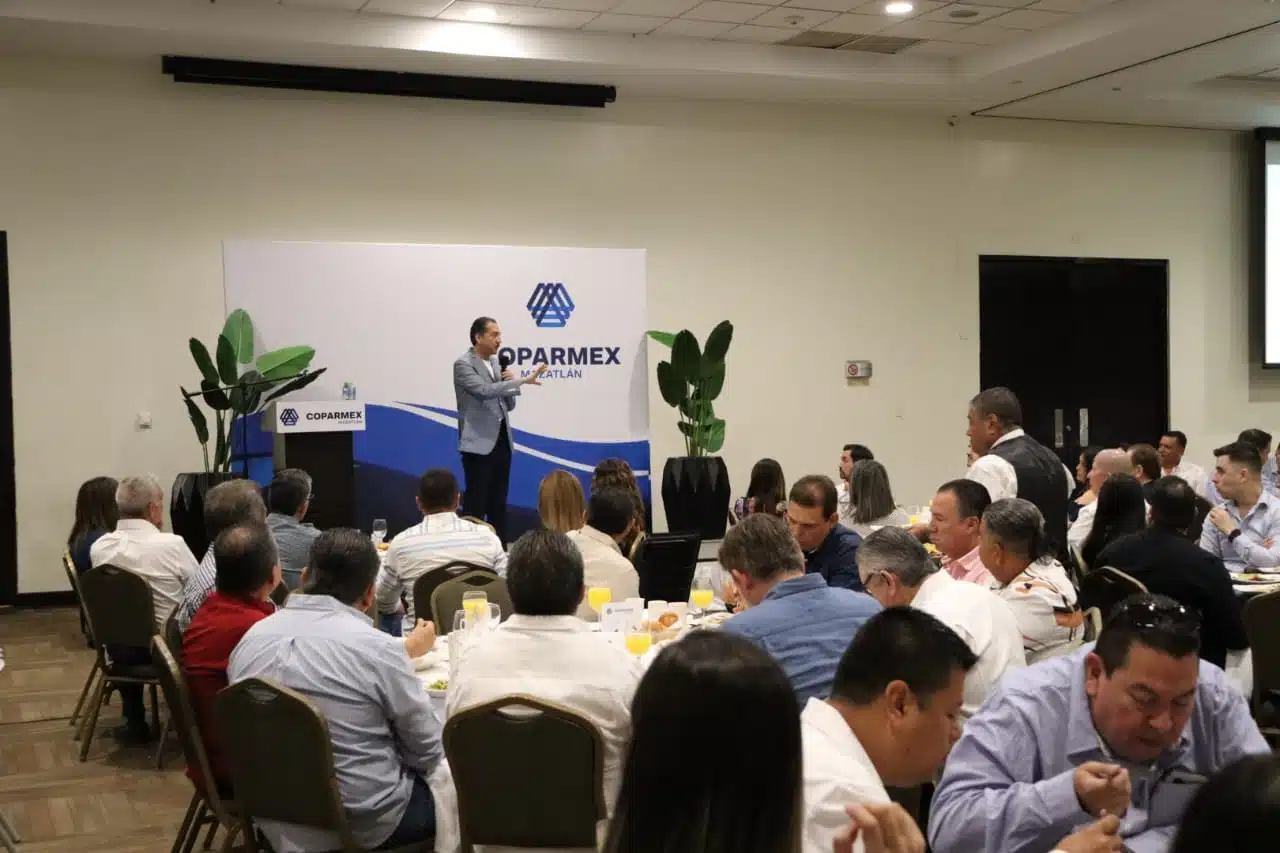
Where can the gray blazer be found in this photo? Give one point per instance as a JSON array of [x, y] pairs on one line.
[[483, 402]]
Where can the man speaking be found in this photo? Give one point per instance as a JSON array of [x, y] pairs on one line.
[[486, 392]]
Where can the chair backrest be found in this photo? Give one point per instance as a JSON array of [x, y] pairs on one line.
[[635, 546], [118, 605], [1262, 627], [280, 594], [447, 597], [425, 586], [1202, 512], [178, 700], [528, 774], [172, 635], [280, 756], [480, 521], [69, 566], [1105, 587], [666, 563], [1092, 624]]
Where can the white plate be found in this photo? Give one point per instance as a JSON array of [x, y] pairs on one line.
[[437, 694]]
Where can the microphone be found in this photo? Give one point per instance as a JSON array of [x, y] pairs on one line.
[[504, 361]]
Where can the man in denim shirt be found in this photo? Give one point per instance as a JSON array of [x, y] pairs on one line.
[[795, 617]]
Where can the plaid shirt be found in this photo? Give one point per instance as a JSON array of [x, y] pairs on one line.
[[197, 588]]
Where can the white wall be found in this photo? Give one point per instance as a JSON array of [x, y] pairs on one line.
[[822, 233]]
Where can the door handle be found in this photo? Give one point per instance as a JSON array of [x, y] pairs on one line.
[[1058, 441], [1084, 427]]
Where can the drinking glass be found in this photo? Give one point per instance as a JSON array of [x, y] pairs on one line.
[[599, 596], [638, 642], [701, 595], [475, 603], [379, 530]]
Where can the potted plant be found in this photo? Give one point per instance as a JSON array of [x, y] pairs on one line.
[[230, 395], [695, 487]]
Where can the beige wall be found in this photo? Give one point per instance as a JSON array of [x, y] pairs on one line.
[[824, 234]]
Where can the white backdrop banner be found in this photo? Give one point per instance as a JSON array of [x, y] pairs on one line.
[[392, 318]]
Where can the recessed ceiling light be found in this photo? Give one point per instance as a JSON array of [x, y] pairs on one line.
[[898, 8], [963, 13], [482, 13]]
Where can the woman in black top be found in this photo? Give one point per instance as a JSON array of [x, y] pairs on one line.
[[1121, 510]]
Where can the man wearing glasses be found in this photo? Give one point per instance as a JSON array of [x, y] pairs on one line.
[[1129, 726]]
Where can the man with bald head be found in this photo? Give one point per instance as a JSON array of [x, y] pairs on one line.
[[1107, 463]]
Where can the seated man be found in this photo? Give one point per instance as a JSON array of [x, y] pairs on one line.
[[897, 571], [225, 505], [610, 521], [1146, 466], [955, 529], [1168, 563], [162, 559], [1033, 583], [801, 622], [830, 549], [1130, 726], [545, 651], [1173, 446], [1105, 464], [288, 500], [442, 538], [248, 570], [386, 740], [1245, 530]]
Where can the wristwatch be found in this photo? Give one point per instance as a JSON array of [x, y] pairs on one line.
[[1234, 535]]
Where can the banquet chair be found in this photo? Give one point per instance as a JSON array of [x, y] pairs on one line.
[[280, 594], [479, 521], [118, 605], [9, 838], [447, 597], [1262, 627], [425, 586], [1092, 624], [208, 806], [666, 563], [635, 547], [527, 773], [96, 670], [281, 760], [1105, 587]]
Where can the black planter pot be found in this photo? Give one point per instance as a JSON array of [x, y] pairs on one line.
[[695, 494], [186, 507]]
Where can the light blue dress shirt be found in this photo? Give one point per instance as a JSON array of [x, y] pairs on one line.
[[360, 679], [1008, 783], [805, 626], [1249, 550]]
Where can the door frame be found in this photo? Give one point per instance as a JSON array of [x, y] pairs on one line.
[[8, 485]]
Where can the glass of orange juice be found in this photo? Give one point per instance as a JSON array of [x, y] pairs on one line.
[[598, 597], [638, 639], [701, 595]]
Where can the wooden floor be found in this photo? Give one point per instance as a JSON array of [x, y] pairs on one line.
[[116, 802]]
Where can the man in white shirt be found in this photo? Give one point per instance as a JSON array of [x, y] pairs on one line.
[[892, 718], [440, 539], [1105, 464], [1173, 444], [546, 652], [897, 571], [610, 519], [163, 560]]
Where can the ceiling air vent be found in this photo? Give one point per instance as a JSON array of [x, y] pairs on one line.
[[880, 44], [819, 38]]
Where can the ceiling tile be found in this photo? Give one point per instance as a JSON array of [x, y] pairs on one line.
[[655, 8], [560, 19], [941, 48], [985, 34], [485, 13], [969, 14], [635, 24], [413, 8], [760, 35], [919, 7], [826, 5], [685, 28], [721, 10], [1004, 4], [584, 5], [860, 24], [1073, 6], [1025, 19], [782, 17], [347, 5], [923, 29]]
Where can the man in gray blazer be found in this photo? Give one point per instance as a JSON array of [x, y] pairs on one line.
[[486, 395]]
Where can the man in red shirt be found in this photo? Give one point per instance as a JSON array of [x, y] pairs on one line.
[[248, 570]]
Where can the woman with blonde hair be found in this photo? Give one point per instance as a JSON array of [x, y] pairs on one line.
[[561, 504]]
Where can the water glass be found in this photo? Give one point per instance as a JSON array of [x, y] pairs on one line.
[[379, 530]]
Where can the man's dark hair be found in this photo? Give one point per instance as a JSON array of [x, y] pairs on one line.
[[544, 574], [246, 559], [1241, 453], [761, 546], [289, 490], [231, 503], [972, 498], [343, 564], [900, 644], [1177, 435], [1156, 621], [859, 452], [1173, 505], [1147, 458], [438, 490], [1001, 403], [815, 490], [610, 510], [479, 326], [1260, 439]]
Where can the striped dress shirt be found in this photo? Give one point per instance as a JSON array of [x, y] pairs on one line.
[[441, 538]]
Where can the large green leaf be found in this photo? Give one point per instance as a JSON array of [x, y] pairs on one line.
[[672, 386], [214, 397], [294, 385], [200, 354], [711, 437], [685, 356], [664, 338], [223, 449], [712, 383], [228, 369], [246, 393], [717, 346], [687, 428], [285, 362], [239, 330], [198, 420]]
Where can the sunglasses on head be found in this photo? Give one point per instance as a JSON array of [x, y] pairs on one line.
[[1151, 613]]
